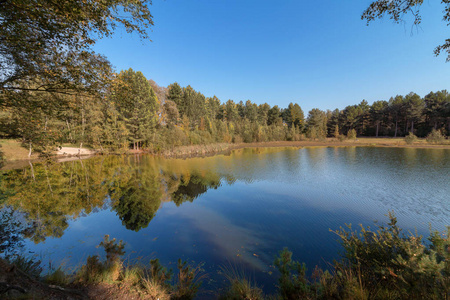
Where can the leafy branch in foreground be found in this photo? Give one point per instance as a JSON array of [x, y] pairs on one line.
[[398, 9], [52, 40]]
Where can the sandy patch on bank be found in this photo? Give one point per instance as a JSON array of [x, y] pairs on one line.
[[74, 151]]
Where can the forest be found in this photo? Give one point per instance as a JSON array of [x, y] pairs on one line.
[[55, 90], [131, 111]]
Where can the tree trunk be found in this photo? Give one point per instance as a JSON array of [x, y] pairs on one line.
[[412, 127], [68, 128], [48, 180], [32, 171], [29, 153], [378, 124], [79, 149], [396, 127], [100, 143]]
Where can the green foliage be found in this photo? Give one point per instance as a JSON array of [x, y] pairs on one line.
[[317, 124], [341, 137], [2, 157], [388, 261], [336, 133], [57, 277], [52, 41], [137, 104], [108, 271], [398, 9], [188, 281], [411, 138], [376, 264], [27, 264], [351, 134], [11, 230], [293, 283], [159, 274], [113, 250], [92, 271], [380, 264], [436, 137]]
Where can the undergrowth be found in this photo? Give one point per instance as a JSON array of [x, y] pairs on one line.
[[378, 263]]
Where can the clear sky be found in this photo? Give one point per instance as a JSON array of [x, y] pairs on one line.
[[315, 53]]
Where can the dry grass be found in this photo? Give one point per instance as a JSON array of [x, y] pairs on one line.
[[154, 290], [241, 286], [13, 150], [360, 141]]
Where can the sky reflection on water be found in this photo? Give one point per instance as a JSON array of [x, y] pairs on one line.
[[239, 209]]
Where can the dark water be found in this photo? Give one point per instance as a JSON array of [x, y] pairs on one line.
[[238, 210]]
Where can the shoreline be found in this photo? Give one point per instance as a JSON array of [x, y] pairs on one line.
[[215, 149], [191, 151]]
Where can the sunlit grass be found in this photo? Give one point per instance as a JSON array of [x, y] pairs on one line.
[[13, 150], [240, 285], [379, 263]]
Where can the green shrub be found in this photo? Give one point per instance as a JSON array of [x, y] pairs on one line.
[[159, 274], [351, 134], [57, 277], [96, 271], [292, 282], [436, 137], [237, 139], [92, 271], [387, 261], [410, 138], [189, 281], [376, 264], [336, 131], [341, 137]]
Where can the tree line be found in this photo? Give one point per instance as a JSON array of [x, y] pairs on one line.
[[134, 112], [55, 89]]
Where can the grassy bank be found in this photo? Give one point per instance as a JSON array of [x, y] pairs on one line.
[[377, 263], [13, 150]]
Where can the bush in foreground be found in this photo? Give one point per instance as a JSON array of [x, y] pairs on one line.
[[376, 264], [379, 263]]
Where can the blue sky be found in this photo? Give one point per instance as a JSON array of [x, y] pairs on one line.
[[315, 53]]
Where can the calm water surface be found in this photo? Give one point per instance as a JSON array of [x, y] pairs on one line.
[[235, 210]]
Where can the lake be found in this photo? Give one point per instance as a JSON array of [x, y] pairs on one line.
[[227, 211]]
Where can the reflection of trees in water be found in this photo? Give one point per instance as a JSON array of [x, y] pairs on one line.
[[193, 186], [11, 230], [51, 195], [136, 196]]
